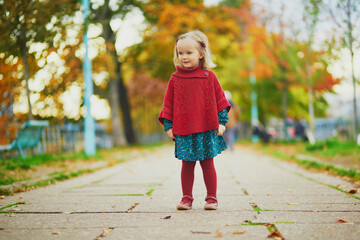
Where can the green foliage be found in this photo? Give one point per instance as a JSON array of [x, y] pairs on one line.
[[231, 3], [333, 147]]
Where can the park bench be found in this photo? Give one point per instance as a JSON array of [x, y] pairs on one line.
[[28, 138]]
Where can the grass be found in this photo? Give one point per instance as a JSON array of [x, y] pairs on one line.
[[150, 192], [335, 157], [333, 148]]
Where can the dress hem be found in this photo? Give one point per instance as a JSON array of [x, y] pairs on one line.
[[198, 160]]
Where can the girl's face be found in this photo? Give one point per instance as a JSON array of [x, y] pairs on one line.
[[188, 54]]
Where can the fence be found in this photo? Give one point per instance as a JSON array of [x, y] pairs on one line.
[[325, 128], [59, 138]]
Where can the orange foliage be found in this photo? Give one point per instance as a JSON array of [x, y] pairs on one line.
[[326, 83]]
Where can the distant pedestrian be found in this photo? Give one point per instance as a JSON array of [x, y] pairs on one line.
[[232, 125], [194, 115], [300, 130]]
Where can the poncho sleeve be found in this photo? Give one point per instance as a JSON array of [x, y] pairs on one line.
[[221, 100], [168, 105]]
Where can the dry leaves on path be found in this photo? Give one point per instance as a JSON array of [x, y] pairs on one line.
[[344, 221], [352, 191]]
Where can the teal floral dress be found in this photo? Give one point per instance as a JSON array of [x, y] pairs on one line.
[[199, 146]]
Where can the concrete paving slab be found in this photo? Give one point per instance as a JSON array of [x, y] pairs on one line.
[[185, 233], [320, 231], [49, 234], [312, 217], [125, 220]]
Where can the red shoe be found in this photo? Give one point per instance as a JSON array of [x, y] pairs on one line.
[[211, 203], [186, 203]]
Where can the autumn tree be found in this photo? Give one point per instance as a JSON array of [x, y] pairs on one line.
[[23, 23], [278, 63]]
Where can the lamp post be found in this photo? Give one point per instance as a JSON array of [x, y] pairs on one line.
[[89, 130]]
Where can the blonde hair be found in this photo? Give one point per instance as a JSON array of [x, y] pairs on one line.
[[201, 39]]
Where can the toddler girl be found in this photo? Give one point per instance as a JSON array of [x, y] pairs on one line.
[[194, 115]]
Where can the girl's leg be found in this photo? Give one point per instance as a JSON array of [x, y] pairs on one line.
[[210, 178], [187, 177]]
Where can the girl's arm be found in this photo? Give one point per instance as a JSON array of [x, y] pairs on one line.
[[223, 119], [168, 128]]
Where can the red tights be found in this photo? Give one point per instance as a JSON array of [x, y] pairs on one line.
[[209, 173]]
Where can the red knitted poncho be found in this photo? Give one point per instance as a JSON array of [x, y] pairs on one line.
[[193, 99]]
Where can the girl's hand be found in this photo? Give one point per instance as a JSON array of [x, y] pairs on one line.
[[221, 129], [170, 134]]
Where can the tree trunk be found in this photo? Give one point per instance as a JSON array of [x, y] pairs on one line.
[[350, 45], [311, 102], [24, 55], [355, 125], [284, 102], [117, 132], [125, 106]]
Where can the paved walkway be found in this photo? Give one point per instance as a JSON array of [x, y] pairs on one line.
[[255, 193]]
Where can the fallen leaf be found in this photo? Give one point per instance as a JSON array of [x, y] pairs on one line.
[[104, 233], [268, 194], [254, 205], [20, 198], [167, 217], [239, 232], [245, 191], [218, 234], [55, 233], [275, 235], [344, 221], [352, 191], [2, 196], [133, 206]]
